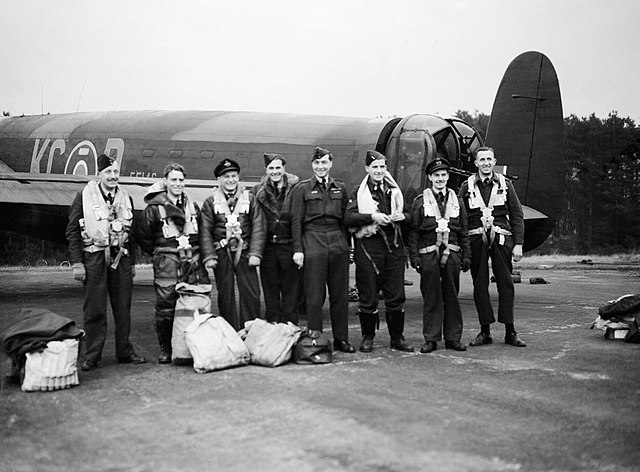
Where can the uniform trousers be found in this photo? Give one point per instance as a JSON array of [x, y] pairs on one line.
[[100, 282], [389, 279], [500, 255], [441, 308], [226, 273], [326, 265], [280, 279]]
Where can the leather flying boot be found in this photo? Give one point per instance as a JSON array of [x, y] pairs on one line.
[[165, 331], [368, 323]]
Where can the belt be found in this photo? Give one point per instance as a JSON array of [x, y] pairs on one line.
[[275, 239], [501, 232], [445, 254], [434, 248], [94, 248], [172, 250]]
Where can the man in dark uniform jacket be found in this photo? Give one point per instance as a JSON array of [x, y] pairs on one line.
[[374, 212], [278, 273], [496, 228], [231, 243], [438, 248], [169, 233], [102, 254], [320, 244]]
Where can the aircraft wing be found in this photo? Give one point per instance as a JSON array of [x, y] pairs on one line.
[[38, 204]]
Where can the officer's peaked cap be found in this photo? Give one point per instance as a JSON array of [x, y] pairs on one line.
[[226, 165], [439, 163]]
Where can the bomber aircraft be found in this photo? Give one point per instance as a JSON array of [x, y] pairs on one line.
[[45, 160]]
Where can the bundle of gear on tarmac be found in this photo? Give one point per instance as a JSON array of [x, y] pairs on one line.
[[43, 348], [620, 317]]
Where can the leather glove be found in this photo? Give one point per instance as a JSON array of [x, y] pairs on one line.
[[211, 264], [79, 272], [417, 265], [466, 264], [254, 261]]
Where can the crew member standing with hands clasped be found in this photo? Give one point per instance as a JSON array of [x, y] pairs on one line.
[[496, 229]]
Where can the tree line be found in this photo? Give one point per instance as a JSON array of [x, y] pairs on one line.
[[601, 194], [600, 212]]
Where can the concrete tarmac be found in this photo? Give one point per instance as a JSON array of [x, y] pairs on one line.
[[570, 400]]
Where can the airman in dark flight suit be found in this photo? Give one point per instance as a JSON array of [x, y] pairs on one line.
[[374, 213], [439, 247], [496, 228]]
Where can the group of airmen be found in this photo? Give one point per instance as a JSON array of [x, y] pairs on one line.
[[299, 234]]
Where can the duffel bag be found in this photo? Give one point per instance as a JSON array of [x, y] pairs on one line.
[[190, 299], [214, 344], [270, 344]]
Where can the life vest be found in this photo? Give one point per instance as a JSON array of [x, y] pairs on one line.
[[233, 238], [432, 210], [367, 205], [171, 230], [498, 197], [104, 225]]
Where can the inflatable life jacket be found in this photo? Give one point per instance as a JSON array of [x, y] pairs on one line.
[[432, 210], [233, 238], [171, 230], [105, 225], [498, 197]]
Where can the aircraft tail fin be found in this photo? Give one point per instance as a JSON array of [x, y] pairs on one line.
[[525, 130]]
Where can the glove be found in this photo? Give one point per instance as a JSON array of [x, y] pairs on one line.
[[466, 264], [417, 265], [254, 261], [79, 272], [298, 258], [211, 264]]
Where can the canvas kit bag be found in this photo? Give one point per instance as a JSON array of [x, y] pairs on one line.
[[270, 344], [191, 298], [214, 344]]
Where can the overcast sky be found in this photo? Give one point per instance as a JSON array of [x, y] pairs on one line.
[[343, 57]]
